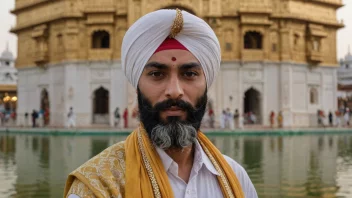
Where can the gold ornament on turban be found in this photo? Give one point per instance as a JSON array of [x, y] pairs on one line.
[[177, 25]]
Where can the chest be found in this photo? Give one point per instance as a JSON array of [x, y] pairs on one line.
[[202, 184]]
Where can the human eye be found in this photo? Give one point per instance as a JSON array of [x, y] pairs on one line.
[[190, 74], [156, 74]]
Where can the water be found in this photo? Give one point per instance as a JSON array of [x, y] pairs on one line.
[[279, 166]]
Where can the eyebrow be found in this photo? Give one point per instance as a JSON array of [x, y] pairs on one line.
[[156, 65], [164, 66], [190, 66]]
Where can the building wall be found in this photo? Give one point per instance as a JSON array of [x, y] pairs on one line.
[[73, 85], [55, 52]]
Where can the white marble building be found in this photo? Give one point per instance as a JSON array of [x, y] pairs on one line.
[[295, 89], [8, 72], [344, 75]]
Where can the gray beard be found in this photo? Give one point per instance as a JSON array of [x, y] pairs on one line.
[[174, 135]]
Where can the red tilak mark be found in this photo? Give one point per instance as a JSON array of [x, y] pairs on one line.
[[173, 59]]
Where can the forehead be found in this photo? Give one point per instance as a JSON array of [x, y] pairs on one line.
[[171, 57]]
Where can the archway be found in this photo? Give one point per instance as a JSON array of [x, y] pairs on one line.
[[252, 106], [253, 40], [45, 106], [101, 39], [101, 106]]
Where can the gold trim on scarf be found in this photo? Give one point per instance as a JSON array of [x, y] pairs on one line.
[[177, 25], [217, 167], [227, 190], [150, 172]]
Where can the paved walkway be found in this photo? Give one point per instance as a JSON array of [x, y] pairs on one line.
[[106, 130]]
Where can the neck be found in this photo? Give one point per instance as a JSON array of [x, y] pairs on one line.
[[184, 159], [182, 156]]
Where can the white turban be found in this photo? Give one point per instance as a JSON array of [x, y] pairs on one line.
[[147, 33]]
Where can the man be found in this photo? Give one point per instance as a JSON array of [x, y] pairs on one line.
[[34, 118], [167, 155], [331, 119]]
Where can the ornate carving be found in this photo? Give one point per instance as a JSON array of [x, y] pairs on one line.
[[283, 38]]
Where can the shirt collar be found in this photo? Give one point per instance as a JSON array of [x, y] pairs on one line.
[[199, 158]]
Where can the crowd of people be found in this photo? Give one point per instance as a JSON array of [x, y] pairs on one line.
[[227, 119], [38, 118], [340, 118]]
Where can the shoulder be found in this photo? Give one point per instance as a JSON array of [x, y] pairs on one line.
[[105, 169], [243, 178], [107, 159]]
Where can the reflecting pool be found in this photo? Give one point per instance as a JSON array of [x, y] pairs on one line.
[[279, 166]]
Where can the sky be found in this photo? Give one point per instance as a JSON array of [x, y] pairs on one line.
[[7, 20]]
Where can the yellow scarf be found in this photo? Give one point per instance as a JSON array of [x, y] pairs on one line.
[[144, 172]]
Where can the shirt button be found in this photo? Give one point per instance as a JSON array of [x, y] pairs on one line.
[[188, 191]]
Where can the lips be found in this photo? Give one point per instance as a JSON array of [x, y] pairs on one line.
[[174, 111]]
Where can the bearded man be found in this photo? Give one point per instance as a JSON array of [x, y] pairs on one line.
[[171, 57]]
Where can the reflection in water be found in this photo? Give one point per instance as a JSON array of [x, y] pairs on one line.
[[279, 166]]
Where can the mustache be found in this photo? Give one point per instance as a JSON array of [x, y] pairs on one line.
[[160, 106], [166, 104]]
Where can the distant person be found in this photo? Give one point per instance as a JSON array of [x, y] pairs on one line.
[[26, 119], [272, 119], [347, 117], [253, 118], [34, 118], [241, 121], [71, 118], [223, 119], [46, 116], [331, 121], [230, 119], [321, 117], [338, 118], [211, 115], [236, 116], [117, 118], [125, 118], [280, 119]]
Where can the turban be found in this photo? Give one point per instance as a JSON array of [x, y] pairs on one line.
[[144, 37]]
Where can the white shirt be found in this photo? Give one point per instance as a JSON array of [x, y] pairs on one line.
[[202, 181]]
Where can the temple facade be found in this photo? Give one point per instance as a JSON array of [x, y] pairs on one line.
[[277, 55]]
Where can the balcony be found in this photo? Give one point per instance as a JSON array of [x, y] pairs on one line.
[[41, 57], [315, 57]]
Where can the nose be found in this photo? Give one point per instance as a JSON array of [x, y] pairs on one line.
[[174, 89]]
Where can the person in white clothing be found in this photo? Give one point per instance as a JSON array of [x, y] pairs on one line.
[[71, 118]]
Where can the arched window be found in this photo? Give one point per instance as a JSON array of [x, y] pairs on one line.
[[253, 40], [101, 39], [313, 95]]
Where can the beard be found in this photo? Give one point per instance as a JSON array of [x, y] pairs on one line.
[[172, 133]]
